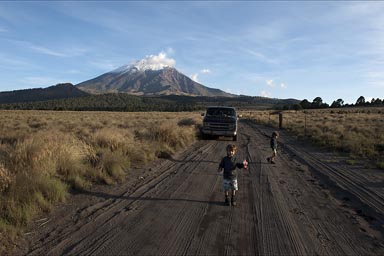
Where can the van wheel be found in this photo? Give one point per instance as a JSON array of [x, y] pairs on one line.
[[234, 138]]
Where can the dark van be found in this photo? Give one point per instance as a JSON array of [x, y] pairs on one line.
[[220, 121]]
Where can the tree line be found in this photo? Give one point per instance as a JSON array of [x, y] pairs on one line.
[[131, 103], [318, 103], [105, 102], [177, 103]]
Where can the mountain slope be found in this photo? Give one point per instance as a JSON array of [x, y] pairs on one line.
[[59, 91], [148, 82]]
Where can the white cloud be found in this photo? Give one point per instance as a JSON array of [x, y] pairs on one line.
[[270, 83], [265, 94], [155, 62], [369, 99], [235, 91], [194, 77]]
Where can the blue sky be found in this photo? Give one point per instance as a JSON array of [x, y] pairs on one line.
[[278, 49]]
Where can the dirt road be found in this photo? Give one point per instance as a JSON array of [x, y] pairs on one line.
[[308, 203]]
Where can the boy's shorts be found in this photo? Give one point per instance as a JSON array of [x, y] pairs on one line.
[[230, 185]]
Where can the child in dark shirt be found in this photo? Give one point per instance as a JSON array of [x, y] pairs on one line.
[[229, 165], [273, 142]]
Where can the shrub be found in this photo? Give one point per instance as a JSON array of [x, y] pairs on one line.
[[43, 153], [114, 165], [139, 153], [5, 178], [112, 138], [354, 130], [30, 194], [49, 152], [186, 122]]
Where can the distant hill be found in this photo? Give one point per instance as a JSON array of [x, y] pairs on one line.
[[137, 79], [59, 91], [126, 102]]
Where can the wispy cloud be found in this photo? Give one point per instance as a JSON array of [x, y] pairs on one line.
[[13, 62], [170, 51], [102, 17], [46, 51], [261, 57], [40, 81], [195, 78], [70, 52], [375, 79], [206, 71], [105, 65], [366, 10], [74, 72]]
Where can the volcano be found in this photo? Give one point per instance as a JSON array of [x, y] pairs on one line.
[[145, 79]]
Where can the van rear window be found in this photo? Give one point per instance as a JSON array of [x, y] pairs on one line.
[[220, 112]]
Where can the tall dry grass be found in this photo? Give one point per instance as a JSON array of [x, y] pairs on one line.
[[43, 153], [357, 131]]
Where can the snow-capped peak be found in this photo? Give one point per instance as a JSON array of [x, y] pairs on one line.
[[151, 62]]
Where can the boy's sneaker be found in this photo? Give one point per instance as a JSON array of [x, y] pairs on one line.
[[227, 201], [233, 201], [272, 162]]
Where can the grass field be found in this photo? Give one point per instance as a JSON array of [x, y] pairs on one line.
[[44, 153], [357, 131]]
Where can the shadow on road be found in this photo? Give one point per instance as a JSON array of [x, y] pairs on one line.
[[132, 198], [170, 158]]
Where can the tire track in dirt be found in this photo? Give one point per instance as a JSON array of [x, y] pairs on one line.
[[272, 214], [105, 211], [325, 221], [175, 240], [352, 183], [179, 210], [99, 209], [368, 202]]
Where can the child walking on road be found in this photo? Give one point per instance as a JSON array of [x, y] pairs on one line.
[[229, 165], [274, 137]]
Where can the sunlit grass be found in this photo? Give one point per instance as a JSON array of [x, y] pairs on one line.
[[357, 131], [43, 153]]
